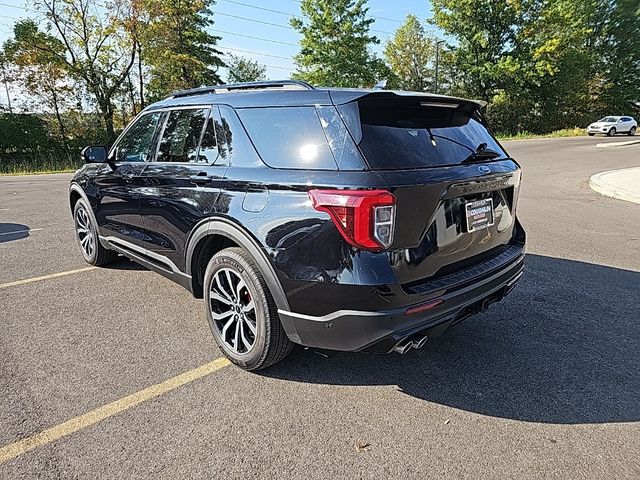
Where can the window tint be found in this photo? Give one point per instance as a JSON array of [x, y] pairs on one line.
[[181, 136], [404, 134], [626, 119], [209, 145], [135, 144], [237, 148], [289, 137]]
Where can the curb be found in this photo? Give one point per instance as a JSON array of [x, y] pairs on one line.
[[616, 144], [602, 184]]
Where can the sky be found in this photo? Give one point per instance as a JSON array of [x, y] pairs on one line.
[[262, 33]]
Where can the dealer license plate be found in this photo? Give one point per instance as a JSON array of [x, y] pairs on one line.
[[479, 214]]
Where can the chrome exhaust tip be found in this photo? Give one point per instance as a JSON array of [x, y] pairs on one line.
[[419, 342], [403, 347]]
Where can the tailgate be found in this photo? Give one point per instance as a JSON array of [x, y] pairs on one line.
[[432, 235]]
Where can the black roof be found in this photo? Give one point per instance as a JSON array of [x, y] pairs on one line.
[[290, 93]]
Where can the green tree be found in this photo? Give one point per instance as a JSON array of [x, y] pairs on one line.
[[99, 47], [335, 44], [244, 70], [176, 47], [620, 49], [41, 71], [410, 55], [486, 32]]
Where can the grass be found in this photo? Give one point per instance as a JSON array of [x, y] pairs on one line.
[[566, 132], [38, 162]]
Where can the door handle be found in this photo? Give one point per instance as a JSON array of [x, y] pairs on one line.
[[127, 177], [200, 179]]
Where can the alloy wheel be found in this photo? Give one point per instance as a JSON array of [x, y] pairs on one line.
[[85, 234], [233, 311]]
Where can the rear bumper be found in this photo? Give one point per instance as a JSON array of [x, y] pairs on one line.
[[380, 331]]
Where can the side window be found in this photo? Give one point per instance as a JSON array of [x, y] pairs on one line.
[[135, 144], [289, 137], [237, 148], [209, 145], [181, 136]]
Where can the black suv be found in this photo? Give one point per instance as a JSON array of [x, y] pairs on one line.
[[354, 220]]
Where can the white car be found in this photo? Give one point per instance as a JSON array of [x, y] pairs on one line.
[[612, 125]]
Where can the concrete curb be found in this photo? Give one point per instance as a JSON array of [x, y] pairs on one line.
[[617, 144], [622, 184]]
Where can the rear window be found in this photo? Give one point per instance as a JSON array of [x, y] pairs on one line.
[[313, 138], [398, 133]]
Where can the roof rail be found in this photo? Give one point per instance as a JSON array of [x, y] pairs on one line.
[[231, 87]]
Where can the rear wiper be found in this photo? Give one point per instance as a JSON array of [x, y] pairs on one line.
[[482, 153]]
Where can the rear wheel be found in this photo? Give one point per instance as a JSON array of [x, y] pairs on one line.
[[632, 131], [242, 313], [611, 132], [591, 134], [87, 236]]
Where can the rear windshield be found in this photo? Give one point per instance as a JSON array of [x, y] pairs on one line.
[[397, 133]]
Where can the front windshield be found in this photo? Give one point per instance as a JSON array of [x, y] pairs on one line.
[[608, 119]]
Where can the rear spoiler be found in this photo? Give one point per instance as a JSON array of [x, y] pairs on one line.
[[342, 96]]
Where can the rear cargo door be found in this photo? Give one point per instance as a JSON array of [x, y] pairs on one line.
[[456, 187]]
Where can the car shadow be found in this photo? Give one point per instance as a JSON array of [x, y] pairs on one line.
[[123, 263], [563, 348], [13, 231]]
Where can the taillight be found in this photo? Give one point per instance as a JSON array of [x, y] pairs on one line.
[[365, 218]]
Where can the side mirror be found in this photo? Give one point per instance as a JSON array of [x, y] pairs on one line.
[[620, 121], [94, 154]]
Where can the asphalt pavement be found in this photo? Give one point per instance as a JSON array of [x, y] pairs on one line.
[[543, 385]]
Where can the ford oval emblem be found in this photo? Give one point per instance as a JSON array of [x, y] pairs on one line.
[[484, 169]]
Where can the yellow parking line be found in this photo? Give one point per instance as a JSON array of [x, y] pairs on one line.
[[45, 277], [109, 410]]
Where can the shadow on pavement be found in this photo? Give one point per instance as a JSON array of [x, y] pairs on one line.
[[123, 263], [13, 231], [563, 348]]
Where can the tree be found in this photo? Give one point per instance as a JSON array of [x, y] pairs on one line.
[[620, 50], [99, 47], [410, 54], [485, 33], [335, 44], [41, 71], [245, 70], [175, 45], [5, 79]]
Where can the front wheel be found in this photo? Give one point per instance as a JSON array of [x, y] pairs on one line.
[[632, 132], [87, 236], [591, 134], [611, 132], [242, 313]]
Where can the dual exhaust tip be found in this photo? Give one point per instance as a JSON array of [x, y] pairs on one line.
[[408, 343]]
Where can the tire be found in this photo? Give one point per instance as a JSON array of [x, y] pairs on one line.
[[87, 236], [632, 131], [611, 132], [250, 337], [591, 134]]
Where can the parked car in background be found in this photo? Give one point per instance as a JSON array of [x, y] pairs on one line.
[[353, 220], [609, 126]]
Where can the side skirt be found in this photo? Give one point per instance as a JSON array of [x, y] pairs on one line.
[[151, 260]]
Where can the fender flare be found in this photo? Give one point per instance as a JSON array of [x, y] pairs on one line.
[[226, 228]]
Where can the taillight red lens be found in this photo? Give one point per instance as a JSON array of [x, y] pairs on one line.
[[365, 218]]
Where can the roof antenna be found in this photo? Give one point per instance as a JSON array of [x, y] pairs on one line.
[[381, 85]]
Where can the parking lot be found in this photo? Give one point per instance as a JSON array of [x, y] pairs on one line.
[[545, 384]]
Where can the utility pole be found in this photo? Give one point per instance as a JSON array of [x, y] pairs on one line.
[[437, 62]]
